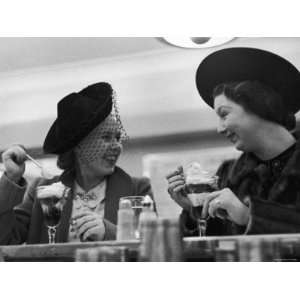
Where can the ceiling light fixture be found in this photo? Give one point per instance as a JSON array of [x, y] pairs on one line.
[[197, 42]]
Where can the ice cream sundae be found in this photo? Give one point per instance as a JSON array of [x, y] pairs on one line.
[[198, 181]]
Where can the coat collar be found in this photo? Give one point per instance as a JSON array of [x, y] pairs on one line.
[[249, 170], [119, 184], [248, 164]]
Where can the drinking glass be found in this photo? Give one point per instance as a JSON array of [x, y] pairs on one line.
[[194, 192], [52, 207], [137, 205]]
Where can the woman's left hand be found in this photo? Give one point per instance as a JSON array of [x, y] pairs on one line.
[[90, 226], [225, 199]]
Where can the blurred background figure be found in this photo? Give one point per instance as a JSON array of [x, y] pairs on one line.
[[87, 136]]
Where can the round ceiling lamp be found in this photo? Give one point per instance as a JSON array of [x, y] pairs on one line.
[[197, 42]]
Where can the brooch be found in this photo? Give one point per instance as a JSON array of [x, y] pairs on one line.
[[85, 200]]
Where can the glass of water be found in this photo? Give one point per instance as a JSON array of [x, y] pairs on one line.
[[137, 205]]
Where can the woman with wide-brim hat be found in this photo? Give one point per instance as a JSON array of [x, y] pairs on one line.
[[87, 137], [255, 94]]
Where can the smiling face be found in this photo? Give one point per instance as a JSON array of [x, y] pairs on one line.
[[238, 125], [100, 150]]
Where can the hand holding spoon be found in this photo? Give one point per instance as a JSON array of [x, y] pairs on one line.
[[44, 172]]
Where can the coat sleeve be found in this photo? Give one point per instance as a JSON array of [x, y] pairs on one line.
[[274, 215], [15, 211], [266, 216], [269, 217]]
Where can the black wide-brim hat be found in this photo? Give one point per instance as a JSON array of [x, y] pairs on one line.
[[77, 115], [240, 64]]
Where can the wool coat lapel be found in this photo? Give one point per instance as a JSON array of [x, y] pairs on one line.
[[119, 184], [63, 228]]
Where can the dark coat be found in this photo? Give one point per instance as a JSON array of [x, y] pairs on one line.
[[274, 211], [21, 218]]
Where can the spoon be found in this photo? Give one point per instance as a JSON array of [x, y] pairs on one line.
[[44, 173]]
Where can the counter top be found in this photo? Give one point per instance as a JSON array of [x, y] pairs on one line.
[[195, 248]]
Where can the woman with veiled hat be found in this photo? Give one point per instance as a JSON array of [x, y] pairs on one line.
[[255, 94], [87, 137]]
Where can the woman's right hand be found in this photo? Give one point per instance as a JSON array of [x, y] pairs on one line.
[[14, 162], [176, 188]]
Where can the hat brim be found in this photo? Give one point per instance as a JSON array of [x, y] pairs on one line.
[[240, 64], [57, 143]]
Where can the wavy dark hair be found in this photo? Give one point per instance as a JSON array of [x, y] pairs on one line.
[[66, 161], [259, 99]]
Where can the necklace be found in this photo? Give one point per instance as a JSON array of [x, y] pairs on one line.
[[91, 198]]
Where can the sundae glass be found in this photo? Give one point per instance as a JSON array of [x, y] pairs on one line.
[[199, 181], [52, 199]]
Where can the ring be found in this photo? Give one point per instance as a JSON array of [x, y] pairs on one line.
[[218, 202], [73, 222]]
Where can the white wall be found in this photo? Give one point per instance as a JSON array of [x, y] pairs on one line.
[[156, 91]]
